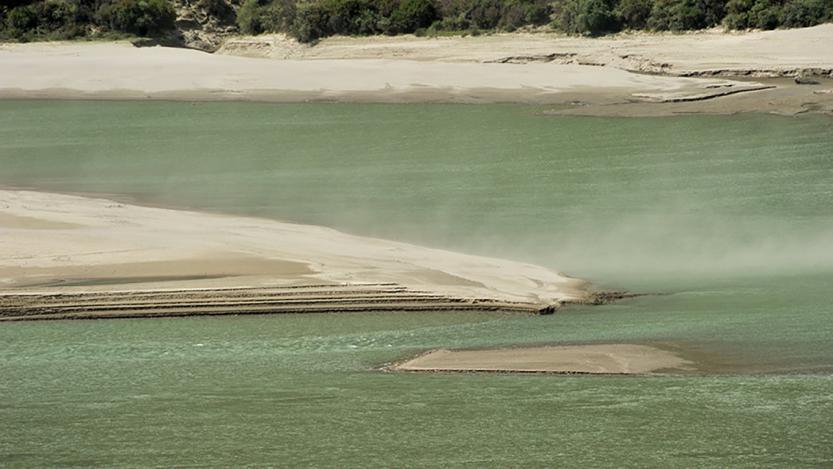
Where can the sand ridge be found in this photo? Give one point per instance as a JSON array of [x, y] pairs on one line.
[[101, 246], [566, 359]]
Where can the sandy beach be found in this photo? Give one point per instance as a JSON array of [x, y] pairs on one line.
[[761, 54], [567, 359], [66, 256], [635, 74]]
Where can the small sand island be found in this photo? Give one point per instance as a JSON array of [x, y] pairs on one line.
[[622, 359], [70, 257]]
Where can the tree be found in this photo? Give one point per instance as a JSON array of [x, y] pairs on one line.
[[592, 17], [634, 14], [142, 17]]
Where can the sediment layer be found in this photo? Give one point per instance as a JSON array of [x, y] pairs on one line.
[[240, 301]]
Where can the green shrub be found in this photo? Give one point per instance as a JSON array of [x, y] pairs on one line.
[[590, 17], [507, 15], [566, 16], [518, 13], [343, 16], [261, 16], [411, 15], [802, 13], [765, 14], [737, 14], [142, 17], [219, 9], [484, 14], [634, 14], [676, 15], [51, 19], [597, 17], [311, 22], [457, 22], [21, 20]]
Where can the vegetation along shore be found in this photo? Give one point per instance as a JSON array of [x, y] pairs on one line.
[[203, 24]]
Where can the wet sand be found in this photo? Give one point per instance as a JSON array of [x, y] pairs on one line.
[[65, 256], [566, 359]]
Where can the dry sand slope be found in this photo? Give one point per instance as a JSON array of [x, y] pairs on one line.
[[65, 256], [712, 52], [119, 70], [627, 74]]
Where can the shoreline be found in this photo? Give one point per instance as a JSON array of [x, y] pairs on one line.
[[763, 98], [626, 75]]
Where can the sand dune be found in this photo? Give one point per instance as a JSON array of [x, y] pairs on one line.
[[69, 256]]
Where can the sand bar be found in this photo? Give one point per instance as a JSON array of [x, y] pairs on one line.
[[121, 71], [67, 256], [584, 359]]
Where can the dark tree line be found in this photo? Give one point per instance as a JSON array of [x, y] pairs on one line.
[[309, 20], [65, 19]]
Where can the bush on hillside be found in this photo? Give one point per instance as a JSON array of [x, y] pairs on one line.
[[261, 16], [21, 19], [411, 15], [506, 15], [589, 17], [676, 15], [737, 14], [351, 17], [484, 14], [51, 19], [802, 13], [141, 17], [311, 22], [634, 14], [518, 13], [765, 14], [771, 14], [219, 9]]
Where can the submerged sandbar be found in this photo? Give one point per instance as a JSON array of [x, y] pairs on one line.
[[567, 359]]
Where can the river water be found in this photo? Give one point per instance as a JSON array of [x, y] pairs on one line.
[[729, 218]]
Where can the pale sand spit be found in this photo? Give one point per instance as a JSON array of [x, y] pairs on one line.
[[589, 359], [69, 256]]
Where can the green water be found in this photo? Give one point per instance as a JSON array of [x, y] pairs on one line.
[[730, 217]]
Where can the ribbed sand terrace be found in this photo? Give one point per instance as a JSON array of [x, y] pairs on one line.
[[239, 301], [75, 257]]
